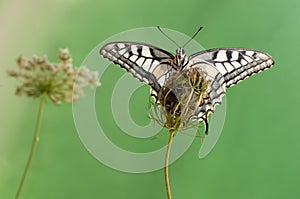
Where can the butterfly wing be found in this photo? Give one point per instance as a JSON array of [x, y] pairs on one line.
[[225, 67], [216, 88], [235, 64], [147, 63]]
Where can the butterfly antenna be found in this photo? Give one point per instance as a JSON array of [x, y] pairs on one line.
[[193, 36], [160, 30]]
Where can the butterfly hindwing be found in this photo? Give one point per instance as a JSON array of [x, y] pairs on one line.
[[147, 63], [216, 88], [235, 64]]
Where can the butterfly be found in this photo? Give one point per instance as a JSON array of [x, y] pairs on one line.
[[224, 67]]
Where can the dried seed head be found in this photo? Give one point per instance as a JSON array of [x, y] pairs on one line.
[[179, 99], [38, 75]]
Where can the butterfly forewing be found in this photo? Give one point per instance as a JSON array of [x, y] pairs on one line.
[[147, 63], [235, 64]]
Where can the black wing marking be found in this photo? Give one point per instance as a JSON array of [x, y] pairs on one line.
[[236, 64], [147, 63]]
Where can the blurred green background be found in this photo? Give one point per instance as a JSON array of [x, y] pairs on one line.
[[257, 155]]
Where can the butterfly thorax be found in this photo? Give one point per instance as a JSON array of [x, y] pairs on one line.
[[181, 59]]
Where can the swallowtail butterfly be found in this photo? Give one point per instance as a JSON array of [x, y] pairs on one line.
[[224, 67]]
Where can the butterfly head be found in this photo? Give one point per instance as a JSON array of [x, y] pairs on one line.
[[181, 59]]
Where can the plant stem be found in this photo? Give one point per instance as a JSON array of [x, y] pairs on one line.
[[167, 164], [34, 142]]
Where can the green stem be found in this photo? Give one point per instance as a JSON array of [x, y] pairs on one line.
[[168, 189], [34, 142]]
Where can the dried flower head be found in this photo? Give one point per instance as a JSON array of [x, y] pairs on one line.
[[179, 98], [60, 81]]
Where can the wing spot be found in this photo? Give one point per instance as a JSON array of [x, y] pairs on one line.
[[251, 71], [162, 80], [147, 65], [244, 62], [228, 66], [248, 59], [236, 64], [155, 63], [243, 75], [250, 53], [221, 56], [103, 52], [270, 62], [122, 51], [120, 45], [126, 55], [235, 55], [133, 58], [134, 50], [146, 52], [221, 68], [140, 61]]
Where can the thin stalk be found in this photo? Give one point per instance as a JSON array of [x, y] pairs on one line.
[[168, 189], [34, 142]]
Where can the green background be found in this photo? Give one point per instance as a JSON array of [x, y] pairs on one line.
[[257, 155]]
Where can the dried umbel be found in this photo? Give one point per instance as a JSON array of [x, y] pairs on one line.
[[179, 99], [60, 81]]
